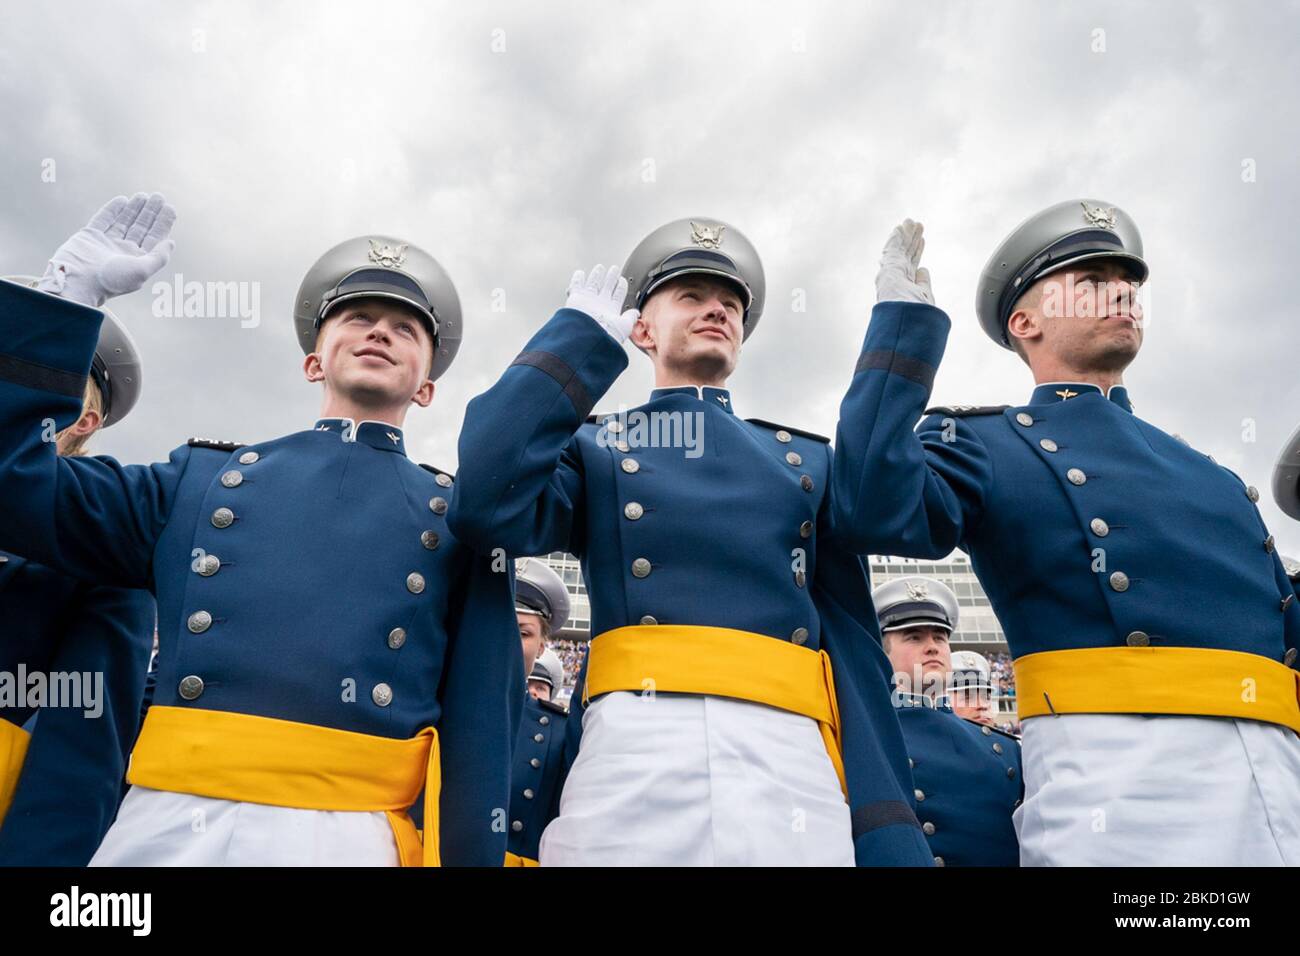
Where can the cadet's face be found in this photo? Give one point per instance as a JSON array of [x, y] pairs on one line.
[[974, 705], [693, 327], [1088, 316], [530, 633], [376, 351], [539, 690], [920, 657]]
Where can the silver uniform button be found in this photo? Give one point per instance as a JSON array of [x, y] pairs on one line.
[[623, 446], [199, 622], [629, 465], [223, 518], [528, 793], [1076, 476], [438, 505], [232, 479], [544, 720], [997, 747], [783, 436], [209, 566], [614, 425], [794, 458], [1269, 544], [429, 539], [1047, 444], [633, 510], [415, 582], [1100, 528], [1011, 773], [806, 482], [640, 568], [938, 861], [799, 579], [1118, 581], [444, 480], [927, 828], [911, 764], [249, 458], [647, 619], [191, 687], [382, 695], [1252, 493], [517, 826], [806, 529], [534, 763], [800, 635], [919, 794], [1025, 419], [1138, 639], [987, 732], [538, 738], [396, 637], [1289, 657]]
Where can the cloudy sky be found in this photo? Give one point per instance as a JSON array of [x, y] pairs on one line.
[[517, 142]]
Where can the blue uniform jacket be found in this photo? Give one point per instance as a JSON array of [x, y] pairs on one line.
[[539, 769], [311, 578], [71, 781], [968, 783], [1087, 526], [733, 530]]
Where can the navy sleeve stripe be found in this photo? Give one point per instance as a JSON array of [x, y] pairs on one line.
[[567, 378], [41, 377], [922, 373], [885, 813]]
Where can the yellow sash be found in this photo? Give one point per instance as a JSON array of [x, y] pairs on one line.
[[13, 749], [231, 756], [719, 662], [514, 859], [1194, 681]]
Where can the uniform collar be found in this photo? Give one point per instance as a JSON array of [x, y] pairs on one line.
[[379, 435], [719, 397], [1054, 392]]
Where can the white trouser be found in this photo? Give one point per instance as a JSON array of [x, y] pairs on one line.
[[1135, 790], [686, 780], [161, 828]]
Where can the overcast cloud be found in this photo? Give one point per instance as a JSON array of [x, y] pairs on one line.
[[517, 142]]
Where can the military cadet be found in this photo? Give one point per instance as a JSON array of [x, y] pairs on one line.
[[967, 776], [547, 679], [711, 728], [970, 688], [326, 648], [61, 783], [1152, 625], [542, 604]]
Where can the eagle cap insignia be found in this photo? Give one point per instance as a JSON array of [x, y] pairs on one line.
[[710, 237], [387, 255], [917, 591], [1101, 216]]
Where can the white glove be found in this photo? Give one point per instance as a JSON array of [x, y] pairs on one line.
[[899, 279], [115, 253], [600, 294]]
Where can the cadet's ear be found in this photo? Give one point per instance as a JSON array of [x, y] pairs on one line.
[[643, 333], [1024, 326], [424, 394], [312, 369]]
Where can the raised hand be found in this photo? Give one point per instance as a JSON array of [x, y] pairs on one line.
[[600, 294], [899, 278]]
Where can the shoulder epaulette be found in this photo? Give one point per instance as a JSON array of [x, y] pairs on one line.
[[554, 707], [215, 444], [962, 411], [786, 428]]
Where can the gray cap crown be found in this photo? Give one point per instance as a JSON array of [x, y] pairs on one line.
[[697, 245], [384, 267], [549, 668], [915, 600], [1068, 233], [539, 590]]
